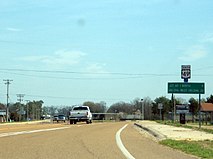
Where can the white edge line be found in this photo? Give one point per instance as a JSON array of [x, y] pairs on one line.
[[120, 144], [29, 132]]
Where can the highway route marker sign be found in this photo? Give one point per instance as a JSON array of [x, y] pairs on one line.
[[185, 71]]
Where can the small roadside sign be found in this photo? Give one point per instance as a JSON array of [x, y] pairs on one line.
[[182, 109], [160, 106], [2, 112]]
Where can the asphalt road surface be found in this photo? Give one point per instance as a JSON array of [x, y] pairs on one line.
[[81, 141]]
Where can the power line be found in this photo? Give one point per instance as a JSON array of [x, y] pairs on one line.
[[123, 76], [204, 68], [89, 73], [73, 98], [66, 97], [74, 78], [100, 73]]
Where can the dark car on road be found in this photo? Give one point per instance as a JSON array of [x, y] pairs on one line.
[[61, 118], [55, 118]]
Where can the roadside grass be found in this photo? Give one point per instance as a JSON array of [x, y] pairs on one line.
[[185, 126], [203, 149]]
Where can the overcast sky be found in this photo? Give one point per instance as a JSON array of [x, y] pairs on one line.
[[103, 50]]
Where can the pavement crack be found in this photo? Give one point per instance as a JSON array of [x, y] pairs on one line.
[[88, 149]]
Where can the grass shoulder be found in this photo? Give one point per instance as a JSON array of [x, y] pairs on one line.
[[203, 149]]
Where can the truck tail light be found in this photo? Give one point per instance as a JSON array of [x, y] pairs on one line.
[[87, 113]]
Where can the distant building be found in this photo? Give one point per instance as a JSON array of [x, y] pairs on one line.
[[2, 115], [207, 108]]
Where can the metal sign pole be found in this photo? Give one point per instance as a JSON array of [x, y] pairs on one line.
[[173, 103], [199, 113], [160, 107]]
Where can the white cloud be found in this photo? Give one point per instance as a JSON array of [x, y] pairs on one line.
[[13, 29], [96, 68], [60, 58], [208, 37], [194, 53]]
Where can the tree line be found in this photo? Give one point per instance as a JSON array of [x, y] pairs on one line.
[[34, 110], [21, 112]]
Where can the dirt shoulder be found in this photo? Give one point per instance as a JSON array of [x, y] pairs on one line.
[[175, 133]]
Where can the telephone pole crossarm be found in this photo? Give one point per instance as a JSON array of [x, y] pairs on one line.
[[20, 97]]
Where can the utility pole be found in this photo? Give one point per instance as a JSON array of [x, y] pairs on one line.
[[20, 99], [142, 110], [7, 111], [27, 104]]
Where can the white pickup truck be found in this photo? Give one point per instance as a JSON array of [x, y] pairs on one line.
[[80, 113]]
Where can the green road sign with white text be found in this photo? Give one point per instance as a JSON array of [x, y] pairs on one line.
[[186, 88]]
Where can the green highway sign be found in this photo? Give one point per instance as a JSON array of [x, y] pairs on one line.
[[186, 88]]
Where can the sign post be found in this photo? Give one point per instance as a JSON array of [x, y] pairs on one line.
[[186, 88], [160, 107], [199, 112], [173, 104]]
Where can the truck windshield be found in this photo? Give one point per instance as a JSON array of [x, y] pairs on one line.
[[80, 108]]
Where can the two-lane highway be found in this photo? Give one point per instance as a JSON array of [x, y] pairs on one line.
[[77, 141], [97, 140]]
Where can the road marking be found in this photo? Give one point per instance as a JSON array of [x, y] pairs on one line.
[[29, 132], [120, 144]]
